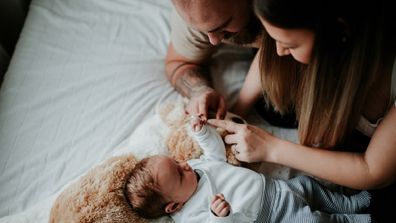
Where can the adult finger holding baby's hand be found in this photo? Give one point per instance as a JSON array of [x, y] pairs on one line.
[[196, 122], [206, 99], [250, 143]]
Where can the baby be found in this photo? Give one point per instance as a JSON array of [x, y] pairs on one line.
[[190, 191]]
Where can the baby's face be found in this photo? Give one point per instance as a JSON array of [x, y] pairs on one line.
[[177, 181]]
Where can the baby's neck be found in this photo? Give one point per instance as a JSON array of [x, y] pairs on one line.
[[197, 175]]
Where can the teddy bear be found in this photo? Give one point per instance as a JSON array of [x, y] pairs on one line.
[[99, 195], [180, 145]]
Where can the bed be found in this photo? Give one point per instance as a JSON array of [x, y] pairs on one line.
[[86, 79]]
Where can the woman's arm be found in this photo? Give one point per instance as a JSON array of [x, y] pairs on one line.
[[251, 89], [373, 169]]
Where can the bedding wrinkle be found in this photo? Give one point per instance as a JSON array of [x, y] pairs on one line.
[[117, 33], [154, 5]]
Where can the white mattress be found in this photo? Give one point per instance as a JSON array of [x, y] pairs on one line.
[[84, 76]]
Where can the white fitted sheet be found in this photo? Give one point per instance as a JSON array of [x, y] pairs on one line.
[[84, 76]]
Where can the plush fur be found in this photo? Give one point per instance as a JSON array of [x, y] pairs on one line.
[[98, 196], [180, 145]]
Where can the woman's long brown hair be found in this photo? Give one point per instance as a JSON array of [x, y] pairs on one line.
[[349, 53]]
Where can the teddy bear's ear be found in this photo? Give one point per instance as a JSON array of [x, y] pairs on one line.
[[165, 111], [173, 113], [98, 196]]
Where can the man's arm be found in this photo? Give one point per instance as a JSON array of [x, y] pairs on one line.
[[185, 75], [191, 79]]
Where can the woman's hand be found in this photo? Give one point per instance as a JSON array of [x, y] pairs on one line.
[[220, 207], [249, 143], [204, 99]]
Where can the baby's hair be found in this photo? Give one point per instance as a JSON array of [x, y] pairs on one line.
[[143, 192]]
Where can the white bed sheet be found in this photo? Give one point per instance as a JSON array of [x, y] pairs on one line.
[[84, 76]]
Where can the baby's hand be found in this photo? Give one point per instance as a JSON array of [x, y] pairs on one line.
[[197, 122], [220, 207]]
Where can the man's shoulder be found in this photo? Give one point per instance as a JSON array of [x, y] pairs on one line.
[[178, 24], [189, 42], [194, 44]]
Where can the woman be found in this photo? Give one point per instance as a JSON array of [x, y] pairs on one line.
[[331, 62]]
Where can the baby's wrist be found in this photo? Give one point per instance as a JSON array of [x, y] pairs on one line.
[[198, 132], [214, 213]]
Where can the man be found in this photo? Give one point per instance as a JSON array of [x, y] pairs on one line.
[[198, 27]]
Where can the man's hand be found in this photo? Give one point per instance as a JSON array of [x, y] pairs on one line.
[[191, 79], [220, 207], [205, 99]]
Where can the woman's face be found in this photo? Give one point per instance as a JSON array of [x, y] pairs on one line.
[[295, 42]]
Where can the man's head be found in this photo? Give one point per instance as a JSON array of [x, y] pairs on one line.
[[159, 186], [231, 20]]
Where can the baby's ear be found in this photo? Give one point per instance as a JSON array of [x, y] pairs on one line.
[[172, 207]]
